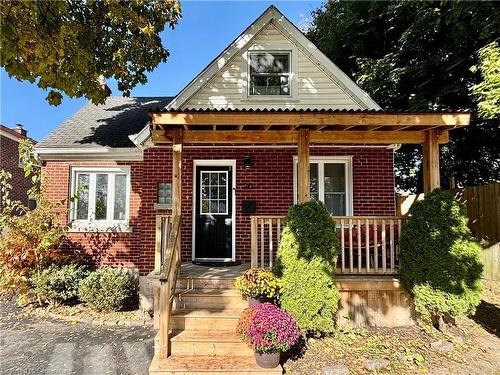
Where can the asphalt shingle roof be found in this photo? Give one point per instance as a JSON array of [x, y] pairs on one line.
[[108, 124]]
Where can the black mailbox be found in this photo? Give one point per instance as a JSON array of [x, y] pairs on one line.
[[248, 207]]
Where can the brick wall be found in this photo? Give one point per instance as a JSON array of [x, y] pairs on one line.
[[9, 161], [271, 177]]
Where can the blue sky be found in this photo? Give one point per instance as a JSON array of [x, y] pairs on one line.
[[205, 29]]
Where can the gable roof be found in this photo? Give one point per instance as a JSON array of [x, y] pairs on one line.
[[106, 125], [272, 14]]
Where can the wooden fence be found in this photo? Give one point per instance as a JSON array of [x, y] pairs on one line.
[[491, 261], [483, 209]]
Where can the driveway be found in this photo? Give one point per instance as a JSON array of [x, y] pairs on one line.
[[31, 345]]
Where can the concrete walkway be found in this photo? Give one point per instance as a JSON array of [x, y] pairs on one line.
[[31, 345]]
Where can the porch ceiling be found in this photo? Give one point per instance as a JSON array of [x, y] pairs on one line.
[[281, 126]]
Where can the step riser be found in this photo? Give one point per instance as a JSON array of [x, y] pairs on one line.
[[203, 323], [186, 347], [201, 283], [181, 348], [254, 372], [207, 302]]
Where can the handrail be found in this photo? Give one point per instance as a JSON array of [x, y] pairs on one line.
[[168, 278], [162, 231]]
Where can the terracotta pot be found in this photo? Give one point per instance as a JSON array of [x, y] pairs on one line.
[[267, 360], [255, 300]]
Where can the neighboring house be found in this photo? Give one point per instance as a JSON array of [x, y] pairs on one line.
[[10, 161], [269, 122]]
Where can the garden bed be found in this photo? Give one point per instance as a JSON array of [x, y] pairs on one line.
[[410, 350], [81, 313]]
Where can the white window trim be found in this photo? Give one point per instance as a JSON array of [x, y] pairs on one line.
[[346, 160], [270, 48], [100, 225]]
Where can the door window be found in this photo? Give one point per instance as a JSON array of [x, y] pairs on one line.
[[213, 192]]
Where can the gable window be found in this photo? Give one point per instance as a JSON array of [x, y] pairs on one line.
[[103, 199], [269, 73], [331, 183]]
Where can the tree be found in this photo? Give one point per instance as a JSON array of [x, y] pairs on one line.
[[31, 238], [70, 46], [440, 260], [305, 262], [417, 55], [487, 92]]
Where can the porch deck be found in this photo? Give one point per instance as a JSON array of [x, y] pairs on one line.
[[190, 270]]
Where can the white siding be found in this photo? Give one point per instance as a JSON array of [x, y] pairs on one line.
[[314, 88]]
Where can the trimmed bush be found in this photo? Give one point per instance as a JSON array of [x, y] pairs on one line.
[[57, 284], [440, 260], [109, 289], [305, 262]]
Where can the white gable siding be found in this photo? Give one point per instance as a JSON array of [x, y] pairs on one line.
[[314, 89]]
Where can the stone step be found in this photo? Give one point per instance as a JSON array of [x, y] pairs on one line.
[[188, 282], [209, 298], [206, 319], [211, 343], [209, 365]]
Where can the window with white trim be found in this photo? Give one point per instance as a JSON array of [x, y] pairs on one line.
[[103, 198], [330, 183], [269, 73]]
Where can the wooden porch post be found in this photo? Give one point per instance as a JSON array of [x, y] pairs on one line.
[[303, 166], [165, 284], [431, 161], [177, 172]]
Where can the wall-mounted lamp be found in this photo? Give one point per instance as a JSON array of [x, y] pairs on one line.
[[247, 162]]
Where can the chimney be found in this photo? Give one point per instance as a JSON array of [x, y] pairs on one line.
[[19, 129], [104, 86]]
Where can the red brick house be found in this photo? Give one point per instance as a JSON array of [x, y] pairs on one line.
[[11, 162], [208, 175]]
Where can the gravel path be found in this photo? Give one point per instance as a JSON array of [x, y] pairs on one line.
[[31, 345]]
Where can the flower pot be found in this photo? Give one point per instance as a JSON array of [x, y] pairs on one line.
[[267, 360], [255, 300]]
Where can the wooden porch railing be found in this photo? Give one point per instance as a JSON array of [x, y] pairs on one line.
[[369, 244], [168, 277], [163, 224]]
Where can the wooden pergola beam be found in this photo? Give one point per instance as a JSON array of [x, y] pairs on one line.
[[303, 166], [292, 137], [294, 119], [431, 161]]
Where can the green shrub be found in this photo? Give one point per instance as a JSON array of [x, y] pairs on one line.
[[109, 289], [57, 284], [440, 261], [305, 262]]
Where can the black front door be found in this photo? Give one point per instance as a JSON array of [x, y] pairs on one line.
[[213, 213]]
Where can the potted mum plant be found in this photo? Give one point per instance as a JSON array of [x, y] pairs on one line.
[[257, 285], [269, 331]]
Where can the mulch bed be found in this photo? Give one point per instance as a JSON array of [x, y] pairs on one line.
[[81, 313]]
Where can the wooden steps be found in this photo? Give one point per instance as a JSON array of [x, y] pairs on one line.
[[207, 365], [224, 320], [210, 298], [203, 338]]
